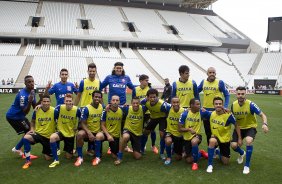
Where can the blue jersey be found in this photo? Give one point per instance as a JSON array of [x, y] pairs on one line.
[[61, 90], [117, 86], [21, 102]]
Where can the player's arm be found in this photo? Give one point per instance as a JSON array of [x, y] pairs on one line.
[[134, 93], [103, 126], [165, 107], [223, 89], [181, 122], [173, 93], [200, 87], [49, 89], [84, 116], [255, 109], [30, 102], [80, 90], [130, 84], [32, 124], [195, 90], [232, 120], [57, 112], [105, 82]]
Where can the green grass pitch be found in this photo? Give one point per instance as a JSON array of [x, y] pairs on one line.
[[266, 164]]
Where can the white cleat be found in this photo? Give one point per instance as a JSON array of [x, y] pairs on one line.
[[246, 170], [240, 159], [209, 169], [14, 150]]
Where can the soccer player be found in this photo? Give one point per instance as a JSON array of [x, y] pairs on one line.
[[19, 109], [140, 92], [172, 134], [111, 125], [90, 126], [67, 117], [220, 122], [185, 89], [117, 82], [61, 88], [190, 126], [87, 87], [158, 109], [42, 127], [212, 88], [244, 111], [132, 129]]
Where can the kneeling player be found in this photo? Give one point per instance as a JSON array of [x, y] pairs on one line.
[[67, 119], [42, 126], [132, 129], [172, 134], [220, 122], [190, 125]]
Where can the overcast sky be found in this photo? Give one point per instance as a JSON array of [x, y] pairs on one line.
[[249, 16]]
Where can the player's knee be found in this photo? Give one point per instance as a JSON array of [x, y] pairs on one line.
[[249, 141], [54, 137], [168, 141], [194, 142], [28, 137], [80, 135], [234, 145], [212, 142], [162, 134], [125, 137], [99, 136]]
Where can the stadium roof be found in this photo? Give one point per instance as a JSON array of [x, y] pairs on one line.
[[186, 3]]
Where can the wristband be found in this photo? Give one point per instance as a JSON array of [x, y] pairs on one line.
[[265, 124]]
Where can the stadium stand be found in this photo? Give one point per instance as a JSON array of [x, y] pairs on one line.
[[270, 64], [14, 16], [60, 19], [128, 53], [9, 49], [11, 66]]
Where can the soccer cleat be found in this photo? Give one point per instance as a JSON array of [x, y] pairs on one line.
[[194, 166], [240, 159], [155, 149], [58, 152], [246, 170], [78, 161], [32, 157], [117, 162], [54, 164], [96, 161], [204, 154], [14, 150], [109, 151], [27, 164], [128, 149], [162, 156], [209, 169], [168, 161]]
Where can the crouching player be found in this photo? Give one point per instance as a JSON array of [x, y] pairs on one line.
[[67, 117], [132, 129], [190, 125], [220, 122], [90, 127], [172, 134], [42, 127]]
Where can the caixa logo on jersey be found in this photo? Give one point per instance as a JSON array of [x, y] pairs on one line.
[[6, 90]]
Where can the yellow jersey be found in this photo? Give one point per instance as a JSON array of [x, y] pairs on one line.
[[45, 122], [87, 89], [134, 121]]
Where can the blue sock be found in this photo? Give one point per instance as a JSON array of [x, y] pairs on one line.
[[195, 153], [217, 151], [54, 146], [120, 154], [210, 153], [79, 151], [199, 155], [98, 148], [58, 145], [153, 138], [90, 146], [27, 148], [20, 144], [144, 139], [168, 151], [239, 150], [162, 146], [249, 152]]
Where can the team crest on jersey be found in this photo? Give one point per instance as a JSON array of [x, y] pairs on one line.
[[123, 80], [68, 88]]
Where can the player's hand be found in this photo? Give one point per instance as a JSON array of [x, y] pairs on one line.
[[31, 96], [110, 138], [30, 132], [240, 142], [107, 108], [192, 131], [37, 107], [203, 109], [49, 85], [226, 110], [265, 128], [91, 137], [76, 85]]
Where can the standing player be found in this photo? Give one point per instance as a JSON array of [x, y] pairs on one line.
[[220, 122], [111, 125], [212, 88], [90, 126], [87, 87], [172, 134], [185, 89], [158, 109], [190, 125], [19, 109], [244, 111], [42, 127], [166, 96], [132, 129], [140, 92], [67, 120], [61, 88]]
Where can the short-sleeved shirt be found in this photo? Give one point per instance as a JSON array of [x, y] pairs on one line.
[[92, 116], [86, 88], [60, 90], [113, 120], [21, 102], [158, 110]]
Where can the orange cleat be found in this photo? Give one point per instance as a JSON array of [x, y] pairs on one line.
[[109, 151], [32, 157], [204, 154], [155, 150], [78, 161], [27, 164], [96, 161], [194, 166]]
